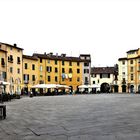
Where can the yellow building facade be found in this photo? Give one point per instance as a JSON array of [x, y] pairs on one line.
[[130, 80], [23, 71], [30, 73], [63, 70], [13, 66]]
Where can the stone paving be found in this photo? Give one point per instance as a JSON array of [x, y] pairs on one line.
[[73, 117]]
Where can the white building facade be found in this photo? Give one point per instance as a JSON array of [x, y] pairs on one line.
[[105, 78], [123, 74]]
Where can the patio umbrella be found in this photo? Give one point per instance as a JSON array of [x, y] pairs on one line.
[[83, 86], [62, 86], [94, 86], [4, 83], [44, 86]]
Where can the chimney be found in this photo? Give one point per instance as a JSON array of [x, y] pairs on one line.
[[56, 54], [63, 55], [44, 53], [51, 53], [15, 45]]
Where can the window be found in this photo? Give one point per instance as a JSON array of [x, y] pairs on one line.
[[63, 62], [139, 60], [63, 70], [100, 75], [78, 70], [11, 70], [123, 74], [131, 61], [55, 62], [70, 70], [48, 61], [2, 62], [86, 70], [132, 77], [4, 75], [123, 79], [26, 77], [49, 78], [18, 60], [78, 79], [56, 70], [25, 66], [131, 69], [86, 79], [33, 66], [78, 63], [40, 60], [49, 69], [108, 75], [10, 58], [94, 75], [18, 71], [123, 62], [70, 63], [86, 64], [104, 75], [70, 79], [93, 82], [56, 79], [41, 68], [33, 77], [11, 48]]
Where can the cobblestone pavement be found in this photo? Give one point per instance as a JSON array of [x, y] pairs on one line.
[[73, 117]]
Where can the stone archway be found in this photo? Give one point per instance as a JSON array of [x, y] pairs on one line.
[[123, 88], [132, 88], [105, 88], [115, 88]]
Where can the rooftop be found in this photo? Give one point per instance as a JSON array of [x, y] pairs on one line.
[[103, 70], [132, 50], [59, 57], [13, 46], [123, 58], [30, 57]]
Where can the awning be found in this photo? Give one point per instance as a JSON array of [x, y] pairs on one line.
[[94, 86], [44, 86], [83, 86], [4, 83]]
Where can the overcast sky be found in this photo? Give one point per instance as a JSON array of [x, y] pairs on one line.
[[104, 29]]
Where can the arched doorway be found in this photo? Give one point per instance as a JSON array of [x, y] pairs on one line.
[[115, 88], [77, 90], [139, 89], [71, 89], [123, 88], [132, 88], [105, 88]]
